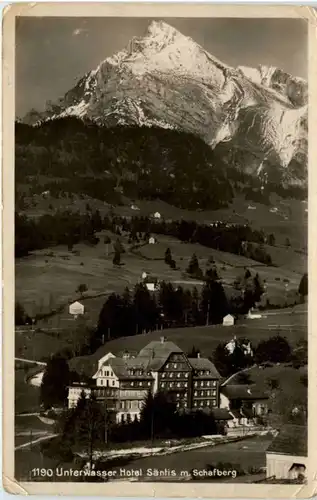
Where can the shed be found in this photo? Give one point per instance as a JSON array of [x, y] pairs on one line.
[[228, 320], [76, 309], [151, 240], [286, 457]]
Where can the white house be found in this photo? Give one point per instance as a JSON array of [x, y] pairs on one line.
[[151, 287], [76, 309], [151, 240], [286, 457], [228, 320], [74, 392], [157, 215]]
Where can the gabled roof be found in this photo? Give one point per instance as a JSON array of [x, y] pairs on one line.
[[156, 353], [76, 303], [244, 392], [291, 440], [204, 364], [122, 366]]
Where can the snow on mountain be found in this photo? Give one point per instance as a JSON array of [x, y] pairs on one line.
[[165, 79]]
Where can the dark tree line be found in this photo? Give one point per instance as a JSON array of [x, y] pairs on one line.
[[107, 163], [143, 311], [69, 228]]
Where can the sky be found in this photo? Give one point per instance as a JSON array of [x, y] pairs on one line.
[[52, 53]]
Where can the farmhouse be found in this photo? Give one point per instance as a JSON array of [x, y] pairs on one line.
[[123, 382], [286, 457], [151, 282], [246, 403], [76, 309], [228, 320]]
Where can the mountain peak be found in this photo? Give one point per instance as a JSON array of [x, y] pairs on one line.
[[157, 28]]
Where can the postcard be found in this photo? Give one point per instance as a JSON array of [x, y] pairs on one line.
[[159, 198]]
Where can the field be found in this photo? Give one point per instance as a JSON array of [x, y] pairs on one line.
[[288, 378], [292, 325], [48, 279], [288, 220]]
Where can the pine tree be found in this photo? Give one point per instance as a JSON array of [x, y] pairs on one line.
[[168, 256], [116, 259], [303, 286], [55, 382], [193, 267]]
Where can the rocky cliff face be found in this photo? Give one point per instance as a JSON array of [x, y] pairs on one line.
[[167, 80]]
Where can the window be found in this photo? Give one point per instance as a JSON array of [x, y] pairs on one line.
[[201, 384], [163, 375], [208, 393], [175, 365], [208, 383], [195, 403], [178, 384], [171, 384], [178, 375], [214, 403], [101, 382], [167, 366], [185, 404], [208, 403], [113, 382], [149, 383], [186, 375], [122, 418], [140, 384], [207, 372], [195, 393], [196, 384], [201, 393], [201, 403], [177, 394], [163, 384], [122, 405], [214, 393], [132, 384], [214, 383]]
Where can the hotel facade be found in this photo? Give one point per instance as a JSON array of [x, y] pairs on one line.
[[122, 383]]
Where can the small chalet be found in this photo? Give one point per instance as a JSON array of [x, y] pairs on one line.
[[76, 309], [228, 320], [286, 457], [151, 283]]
